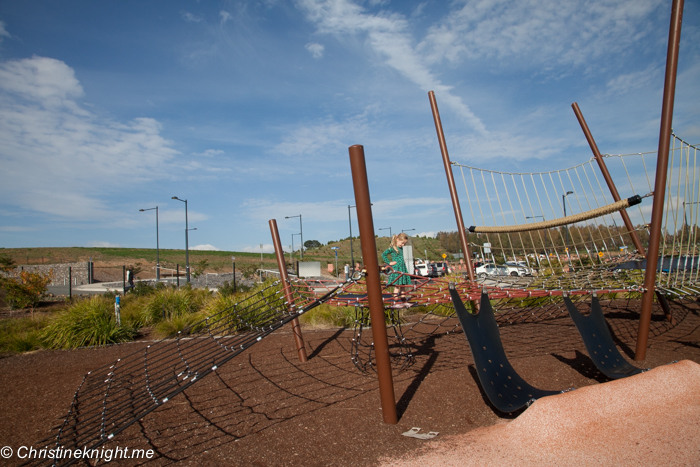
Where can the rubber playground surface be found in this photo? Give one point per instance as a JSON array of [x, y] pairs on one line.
[[265, 408]]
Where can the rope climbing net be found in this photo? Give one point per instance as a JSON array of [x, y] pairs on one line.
[[113, 397], [541, 221]]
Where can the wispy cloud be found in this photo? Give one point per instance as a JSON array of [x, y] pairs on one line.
[[3, 31], [46, 136], [205, 248], [315, 49], [337, 210], [526, 34], [225, 16], [190, 18], [390, 38]]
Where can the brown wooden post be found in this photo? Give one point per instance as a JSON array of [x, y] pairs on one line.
[[657, 210], [374, 286], [279, 253], [616, 196], [451, 185], [608, 178]]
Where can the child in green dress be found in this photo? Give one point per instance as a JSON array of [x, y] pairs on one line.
[[397, 262]]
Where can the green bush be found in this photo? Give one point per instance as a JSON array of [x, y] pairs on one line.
[[329, 316], [21, 334], [88, 322], [167, 303], [172, 325]]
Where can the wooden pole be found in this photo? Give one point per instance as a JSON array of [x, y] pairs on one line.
[[279, 253], [374, 286], [657, 210]]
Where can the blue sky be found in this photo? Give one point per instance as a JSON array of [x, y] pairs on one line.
[[247, 109]]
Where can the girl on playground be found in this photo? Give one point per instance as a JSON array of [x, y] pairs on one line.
[[397, 262]]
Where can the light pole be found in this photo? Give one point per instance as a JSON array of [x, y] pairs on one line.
[[407, 230], [233, 259], [563, 201], [293, 247], [389, 229], [301, 233], [187, 245], [545, 232], [352, 258], [336, 259], [157, 242]]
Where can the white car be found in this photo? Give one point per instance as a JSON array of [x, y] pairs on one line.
[[518, 268], [490, 269]]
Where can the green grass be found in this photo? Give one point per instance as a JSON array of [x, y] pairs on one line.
[[21, 334], [89, 322]]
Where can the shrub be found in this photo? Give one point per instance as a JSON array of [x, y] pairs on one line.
[[171, 326], [168, 303], [21, 334], [88, 322], [27, 290], [326, 316]]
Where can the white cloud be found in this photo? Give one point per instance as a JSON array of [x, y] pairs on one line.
[[266, 248], [205, 248], [99, 244], [315, 49], [225, 16], [57, 157], [389, 36], [3, 31], [190, 18], [16, 228], [209, 153], [643, 79], [568, 33], [322, 137], [337, 210]]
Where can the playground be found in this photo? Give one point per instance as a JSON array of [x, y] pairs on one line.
[[593, 360], [267, 409]]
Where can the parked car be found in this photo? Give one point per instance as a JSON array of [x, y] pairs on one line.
[[422, 269], [441, 268], [490, 269], [518, 268]]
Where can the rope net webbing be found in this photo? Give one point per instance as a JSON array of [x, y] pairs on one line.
[[508, 206], [113, 397]]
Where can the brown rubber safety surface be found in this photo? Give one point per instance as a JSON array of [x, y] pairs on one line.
[[264, 408]]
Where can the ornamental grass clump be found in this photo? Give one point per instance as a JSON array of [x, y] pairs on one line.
[[168, 303], [88, 322], [21, 334]]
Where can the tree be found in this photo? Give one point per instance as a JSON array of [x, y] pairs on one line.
[[27, 290], [199, 268], [311, 244], [7, 264]]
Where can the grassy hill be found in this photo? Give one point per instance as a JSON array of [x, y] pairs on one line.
[[217, 261]]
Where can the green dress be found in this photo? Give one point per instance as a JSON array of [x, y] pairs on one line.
[[400, 266]]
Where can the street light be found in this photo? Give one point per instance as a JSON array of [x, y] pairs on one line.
[[389, 229], [352, 257], [408, 230], [187, 244], [301, 233], [157, 242], [336, 259], [566, 227], [293, 248]]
